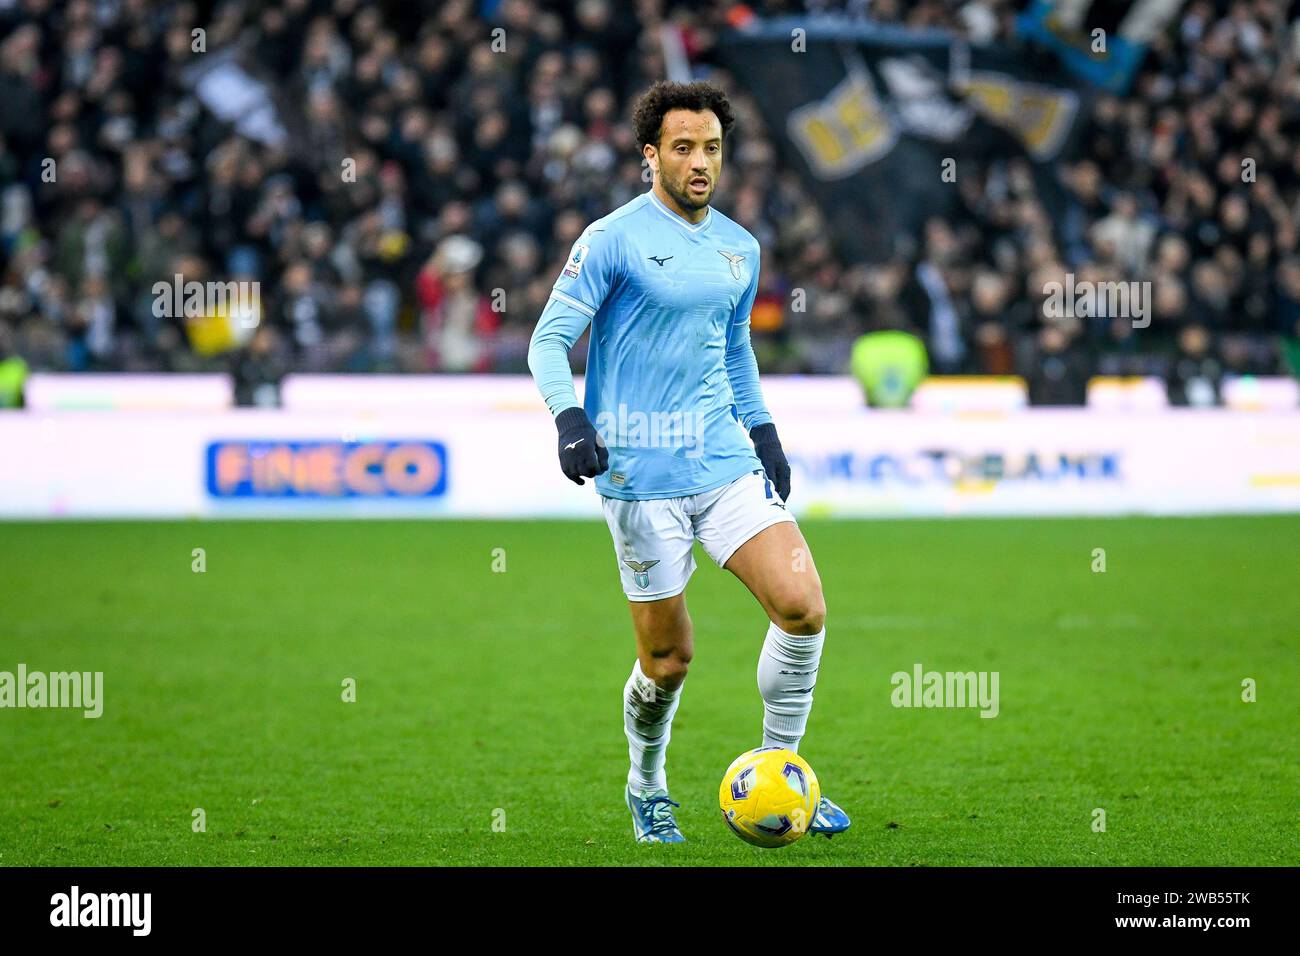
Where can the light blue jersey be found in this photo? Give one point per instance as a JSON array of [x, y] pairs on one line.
[[672, 383]]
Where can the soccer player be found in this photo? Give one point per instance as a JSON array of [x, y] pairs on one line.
[[667, 284]]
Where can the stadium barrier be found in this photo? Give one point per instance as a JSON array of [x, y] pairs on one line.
[[484, 447]]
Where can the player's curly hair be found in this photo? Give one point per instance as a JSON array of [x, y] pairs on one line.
[[654, 104]]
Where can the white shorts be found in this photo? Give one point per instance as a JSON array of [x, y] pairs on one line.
[[653, 539]]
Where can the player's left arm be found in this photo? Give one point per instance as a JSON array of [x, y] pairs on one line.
[[742, 370]]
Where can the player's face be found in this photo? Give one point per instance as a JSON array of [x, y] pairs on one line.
[[689, 156]]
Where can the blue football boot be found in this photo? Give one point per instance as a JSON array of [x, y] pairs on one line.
[[652, 817], [829, 819]]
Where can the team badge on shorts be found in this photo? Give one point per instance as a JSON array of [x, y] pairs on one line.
[[641, 572]]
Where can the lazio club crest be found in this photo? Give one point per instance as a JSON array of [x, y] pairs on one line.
[[734, 261], [641, 572]]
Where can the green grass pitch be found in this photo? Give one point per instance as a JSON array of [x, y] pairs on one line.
[[487, 726]]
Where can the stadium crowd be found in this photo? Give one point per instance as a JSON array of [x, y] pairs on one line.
[[407, 193]]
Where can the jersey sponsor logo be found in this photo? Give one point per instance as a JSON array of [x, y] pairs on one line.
[[573, 268], [659, 260], [641, 571], [734, 261]]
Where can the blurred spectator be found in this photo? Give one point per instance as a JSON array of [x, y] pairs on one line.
[[1195, 374], [258, 369], [13, 371], [456, 320], [888, 365], [1055, 368], [426, 191]]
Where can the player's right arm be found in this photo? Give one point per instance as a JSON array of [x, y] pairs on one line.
[[587, 277]]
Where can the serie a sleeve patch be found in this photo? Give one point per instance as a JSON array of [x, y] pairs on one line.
[[573, 267]]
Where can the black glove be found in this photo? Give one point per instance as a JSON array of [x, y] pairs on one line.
[[768, 448], [582, 453]]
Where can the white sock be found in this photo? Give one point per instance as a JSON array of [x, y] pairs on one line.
[[647, 720], [787, 673]]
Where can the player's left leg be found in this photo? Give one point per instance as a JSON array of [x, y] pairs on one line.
[[756, 539], [777, 567]]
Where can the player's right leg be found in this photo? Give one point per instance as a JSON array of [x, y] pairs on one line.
[[653, 541], [664, 646]]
